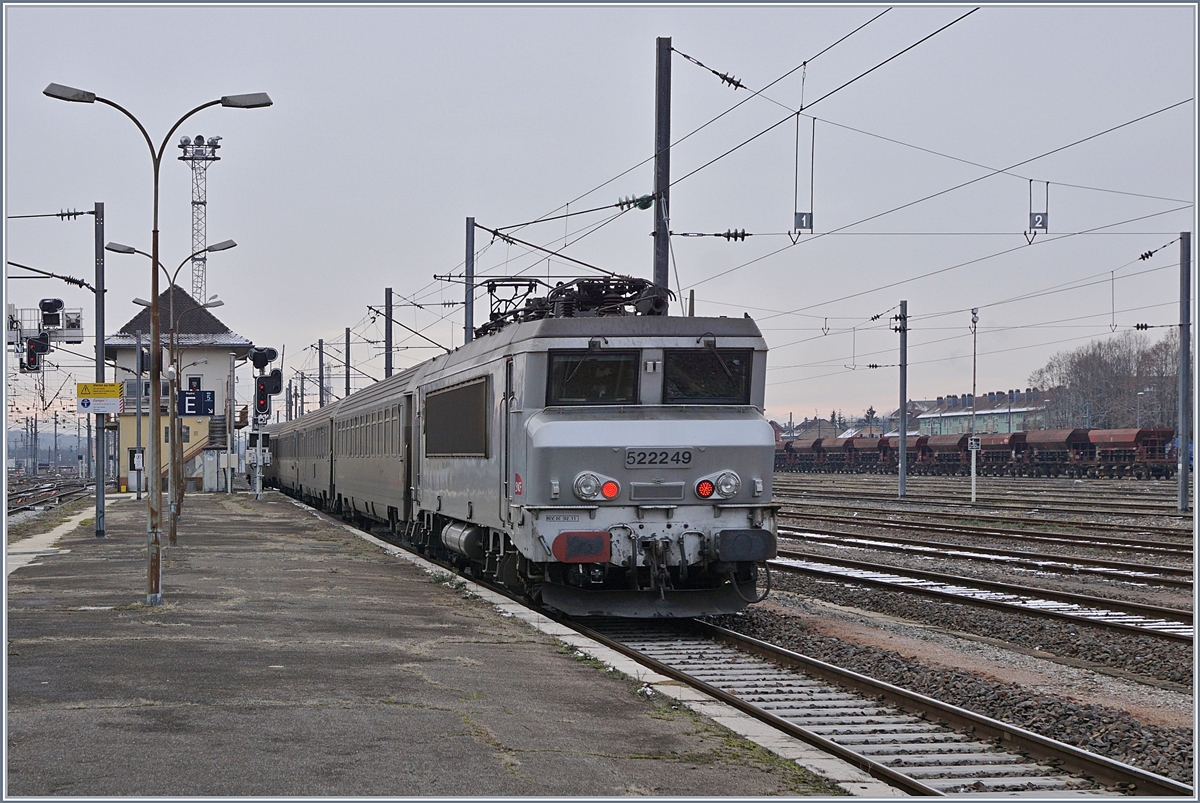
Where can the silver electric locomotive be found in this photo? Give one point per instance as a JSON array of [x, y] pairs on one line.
[[602, 461]]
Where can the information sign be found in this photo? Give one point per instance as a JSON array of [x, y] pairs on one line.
[[197, 402], [98, 406], [98, 390], [973, 444]]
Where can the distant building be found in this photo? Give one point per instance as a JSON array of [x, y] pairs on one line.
[[996, 411], [816, 428], [916, 408], [863, 431]]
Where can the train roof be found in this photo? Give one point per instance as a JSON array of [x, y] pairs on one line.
[[532, 336]]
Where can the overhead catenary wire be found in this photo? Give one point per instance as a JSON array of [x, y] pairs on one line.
[[1102, 334], [1006, 171], [962, 335], [1022, 298], [977, 260], [689, 134], [948, 190], [830, 93]]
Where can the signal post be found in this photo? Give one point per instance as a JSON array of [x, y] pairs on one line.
[[265, 386]]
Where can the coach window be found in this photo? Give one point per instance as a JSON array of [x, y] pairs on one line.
[[707, 376], [594, 376]]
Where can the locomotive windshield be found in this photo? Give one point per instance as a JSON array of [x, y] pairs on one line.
[[593, 377], [707, 376]]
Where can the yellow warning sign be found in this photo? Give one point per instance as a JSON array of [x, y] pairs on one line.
[[98, 390]]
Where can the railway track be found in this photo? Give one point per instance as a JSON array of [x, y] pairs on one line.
[[53, 493], [918, 744], [993, 502], [912, 741], [1174, 548], [1125, 571], [1066, 501], [1145, 620]]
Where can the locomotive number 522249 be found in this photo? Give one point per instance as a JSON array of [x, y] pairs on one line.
[[675, 457]]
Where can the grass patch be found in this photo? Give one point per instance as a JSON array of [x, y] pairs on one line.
[[580, 656], [448, 580], [47, 520]]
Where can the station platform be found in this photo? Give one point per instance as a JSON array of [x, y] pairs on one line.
[[295, 656]]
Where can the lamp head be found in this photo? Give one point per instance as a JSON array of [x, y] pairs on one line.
[[120, 248], [141, 302], [69, 93], [254, 100], [224, 245]]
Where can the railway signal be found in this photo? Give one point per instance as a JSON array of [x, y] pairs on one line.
[[262, 398], [262, 357], [51, 311], [35, 347], [266, 386]]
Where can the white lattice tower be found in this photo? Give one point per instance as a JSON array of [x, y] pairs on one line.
[[201, 153]]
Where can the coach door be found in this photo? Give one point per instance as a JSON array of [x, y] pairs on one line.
[[514, 492], [408, 457], [506, 478]]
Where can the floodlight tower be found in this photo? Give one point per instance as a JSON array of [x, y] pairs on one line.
[[201, 153]]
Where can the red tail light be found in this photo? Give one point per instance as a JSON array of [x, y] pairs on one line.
[[705, 488], [610, 490]]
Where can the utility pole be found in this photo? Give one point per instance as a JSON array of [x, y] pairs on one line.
[[469, 314], [973, 441], [101, 443], [1185, 361], [140, 457], [258, 439], [662, 160], [347, 362], [301, 393], [902, 318], [230, 401], [56, 440], [288, 404], [320, 373], [387, 332]]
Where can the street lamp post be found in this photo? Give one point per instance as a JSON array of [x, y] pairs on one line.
[[154, 504], [174, 447]]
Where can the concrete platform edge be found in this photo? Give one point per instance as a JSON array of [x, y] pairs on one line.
[[846, 776]]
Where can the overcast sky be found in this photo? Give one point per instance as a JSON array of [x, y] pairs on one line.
[[392, 124]]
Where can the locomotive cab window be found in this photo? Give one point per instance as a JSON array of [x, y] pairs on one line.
[[707, 376], [594, 376]]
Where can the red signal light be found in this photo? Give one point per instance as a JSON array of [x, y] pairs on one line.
[[705, 488], [610, 489]]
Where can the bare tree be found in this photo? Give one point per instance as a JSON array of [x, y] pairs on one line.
[[1114, 383]]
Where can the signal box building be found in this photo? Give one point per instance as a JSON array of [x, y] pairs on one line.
[[203, 346]]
